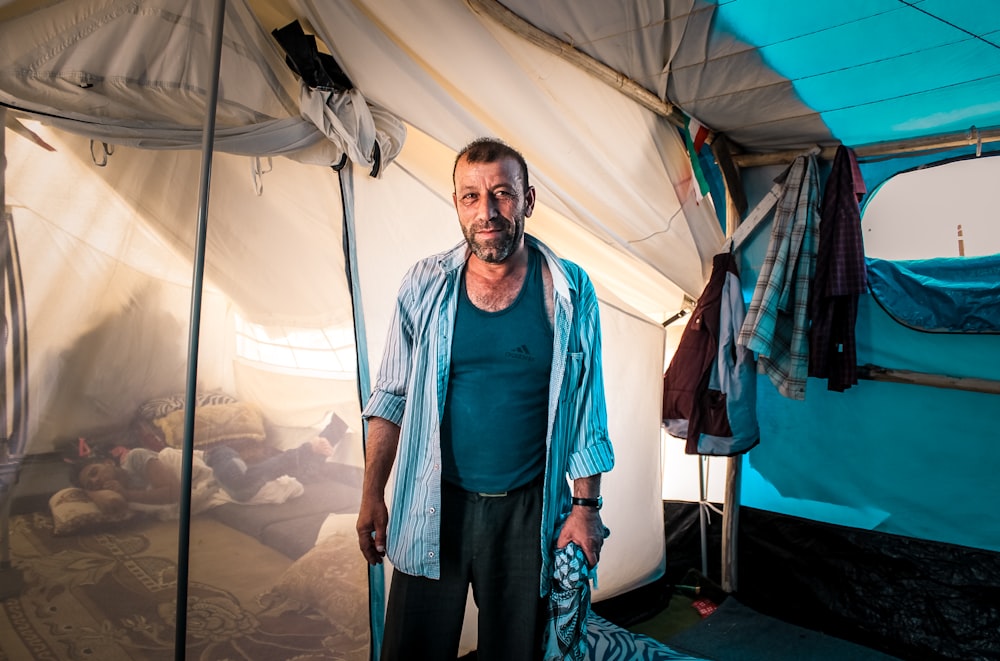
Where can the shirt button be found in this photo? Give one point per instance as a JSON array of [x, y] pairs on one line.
[[430, 554], [431, 510]]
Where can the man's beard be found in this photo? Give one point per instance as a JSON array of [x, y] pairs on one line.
[[496, 250]]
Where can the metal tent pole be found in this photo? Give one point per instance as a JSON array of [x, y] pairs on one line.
[[8, 470], [376, 573], [703, 513], [198, 277]]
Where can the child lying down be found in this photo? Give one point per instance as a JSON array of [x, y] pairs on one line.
[[147, 480]]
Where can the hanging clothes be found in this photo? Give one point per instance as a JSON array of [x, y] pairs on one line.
[[776, 325], [710, 386], [840, 276]]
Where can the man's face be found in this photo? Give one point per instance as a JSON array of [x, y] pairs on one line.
[[492, 205]]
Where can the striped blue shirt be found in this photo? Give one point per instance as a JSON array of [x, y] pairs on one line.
[[412, 383]]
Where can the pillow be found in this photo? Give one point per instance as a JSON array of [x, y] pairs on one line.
[[332, 577], [221, 423], [161, 406], [338, 524], [73, 511]]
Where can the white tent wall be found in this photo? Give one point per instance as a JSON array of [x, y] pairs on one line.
[[107, 257], [120, 277], [589, 147]]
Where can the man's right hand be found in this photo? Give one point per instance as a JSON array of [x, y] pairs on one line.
[[373, 517], [372, 521]]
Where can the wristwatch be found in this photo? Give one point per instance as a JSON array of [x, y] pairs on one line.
[[596, 503]]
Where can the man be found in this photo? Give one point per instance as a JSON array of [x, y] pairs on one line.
[[492, 392]]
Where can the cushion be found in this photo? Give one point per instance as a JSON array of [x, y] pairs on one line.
[[74, 511], [332, 577], [161, 406], [221, 423]]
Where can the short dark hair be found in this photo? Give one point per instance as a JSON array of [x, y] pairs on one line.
[[491, 150], [76, 468]]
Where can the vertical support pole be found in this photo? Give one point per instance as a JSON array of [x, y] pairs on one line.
[[11, 578], [6, 472], [730, 523], [5, 438], [376, 573], [198, 278], [3, 159], [731, 499], [703, 513]]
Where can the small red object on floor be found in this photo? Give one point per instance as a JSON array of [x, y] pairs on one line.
[[705, 607]]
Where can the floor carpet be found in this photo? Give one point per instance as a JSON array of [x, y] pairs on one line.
[[111, 596]]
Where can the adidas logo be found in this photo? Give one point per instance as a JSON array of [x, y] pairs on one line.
[[520, 353]]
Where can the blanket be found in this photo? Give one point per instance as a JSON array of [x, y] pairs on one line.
[[112, 596]]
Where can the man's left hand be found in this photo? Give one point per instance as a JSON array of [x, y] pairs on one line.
[[584, 526]]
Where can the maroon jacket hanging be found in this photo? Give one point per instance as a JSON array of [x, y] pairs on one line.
[[709, 388]]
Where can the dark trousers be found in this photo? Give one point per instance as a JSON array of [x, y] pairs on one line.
[[492, 543], [242, 482]]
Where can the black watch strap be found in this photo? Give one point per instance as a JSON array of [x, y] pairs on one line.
[[596, 503]]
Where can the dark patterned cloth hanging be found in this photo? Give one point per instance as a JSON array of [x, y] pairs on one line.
[[840, 276]]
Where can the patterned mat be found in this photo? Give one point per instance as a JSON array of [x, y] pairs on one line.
[[111, 596]]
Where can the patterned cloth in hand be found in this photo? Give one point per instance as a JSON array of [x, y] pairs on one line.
[[569, 605]]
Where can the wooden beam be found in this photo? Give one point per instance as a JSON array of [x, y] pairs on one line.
[[876, 373], [630, 88], [929, 143], [731, 524]]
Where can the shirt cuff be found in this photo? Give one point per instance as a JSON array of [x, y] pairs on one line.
[[385, 405]]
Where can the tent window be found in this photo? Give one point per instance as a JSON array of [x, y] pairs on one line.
[[932, 242], [943, 210], [323, 352]]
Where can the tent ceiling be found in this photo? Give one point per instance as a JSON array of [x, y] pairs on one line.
[[771, 75], [777, 74]]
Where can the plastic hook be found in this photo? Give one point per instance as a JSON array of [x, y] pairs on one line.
[[258, 172], [975, 136], [101, 159]]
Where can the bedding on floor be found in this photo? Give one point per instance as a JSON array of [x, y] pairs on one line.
[[267, 579], [111, 595]]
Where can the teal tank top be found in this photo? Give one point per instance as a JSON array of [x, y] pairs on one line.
[[496, 407]]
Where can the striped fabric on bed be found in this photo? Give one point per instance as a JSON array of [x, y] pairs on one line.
[[162, 406], [609, 642]]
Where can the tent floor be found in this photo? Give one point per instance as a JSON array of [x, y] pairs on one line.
[[906, 597], [734, 632], [679, 615]]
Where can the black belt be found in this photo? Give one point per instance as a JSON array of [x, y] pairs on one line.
[[535, 482]]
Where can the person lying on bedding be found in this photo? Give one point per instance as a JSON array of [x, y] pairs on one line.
[[141, 477], [306, 463]]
